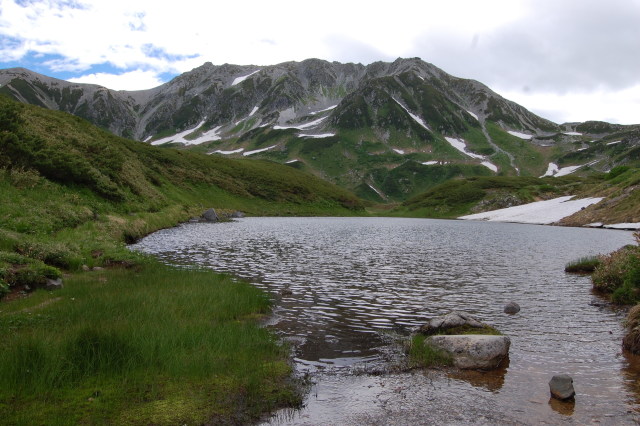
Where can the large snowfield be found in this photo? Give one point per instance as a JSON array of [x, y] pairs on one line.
[[539, 212]]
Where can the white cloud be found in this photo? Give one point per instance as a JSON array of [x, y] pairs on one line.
[[132, 80], [557, 49], [613, 106]]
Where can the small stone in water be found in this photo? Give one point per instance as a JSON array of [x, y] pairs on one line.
[[511, 308]]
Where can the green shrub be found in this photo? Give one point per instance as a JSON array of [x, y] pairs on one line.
[[613, 268], [619, 274], [616, 171], [56, 254]]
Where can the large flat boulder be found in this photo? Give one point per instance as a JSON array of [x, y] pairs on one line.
[[473, 351]]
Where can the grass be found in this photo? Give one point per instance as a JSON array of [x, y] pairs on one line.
[[584, 265], [138, 343], [150, 345], [423, 355]]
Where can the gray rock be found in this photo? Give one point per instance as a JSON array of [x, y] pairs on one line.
[[237, 215], [561, 387], [53, 284], [473, 351], [85, 268], [451, 320], [210, 215], [511, 308], [98, 268]]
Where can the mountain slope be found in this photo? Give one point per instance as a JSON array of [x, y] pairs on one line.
[[386, 130]]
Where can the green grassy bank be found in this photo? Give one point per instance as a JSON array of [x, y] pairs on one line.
[[148, 345], [136, 342]]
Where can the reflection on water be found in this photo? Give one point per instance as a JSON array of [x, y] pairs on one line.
[[344, 285]]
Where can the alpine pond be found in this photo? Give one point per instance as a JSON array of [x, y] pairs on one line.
[[346, 288]]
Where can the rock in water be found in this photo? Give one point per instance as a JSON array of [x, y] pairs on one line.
[[451, 320], [511, 308], [473, 351], [210, 216], [561, 387]]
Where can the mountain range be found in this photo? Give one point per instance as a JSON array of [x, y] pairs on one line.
[[386, 131]]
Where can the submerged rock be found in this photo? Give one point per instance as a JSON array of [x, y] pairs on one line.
[[511, 308], [473, 351], [561, 387]]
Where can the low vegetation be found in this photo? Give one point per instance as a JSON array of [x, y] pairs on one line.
[[131, 342], [146, 345], [631, 341], [584, 265], [422, 355], [619, 274]]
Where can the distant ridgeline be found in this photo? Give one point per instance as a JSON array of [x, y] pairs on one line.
[[386, 131]]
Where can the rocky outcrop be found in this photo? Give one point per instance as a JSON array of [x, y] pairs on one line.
[[473, 351], [210, 215]]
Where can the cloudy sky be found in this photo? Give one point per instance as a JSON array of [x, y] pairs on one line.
[[567, 60]]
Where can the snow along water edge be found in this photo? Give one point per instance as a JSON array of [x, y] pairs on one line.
[[538, 213]]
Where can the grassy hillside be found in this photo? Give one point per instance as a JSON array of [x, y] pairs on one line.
[[62, 178], [137, 342]]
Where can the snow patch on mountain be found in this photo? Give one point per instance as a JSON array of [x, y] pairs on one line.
[[614, 142], [253, 111], [473, 115], [302, 126], [572, 133], [235, 151], [323, 110], [399, 151], [179, 137], [415, 117], [319, 136], [211, 135], [539, 212], [239, 80], [377, 191], [490, 166], [520, 135], [461, 146], [552, 169], [434, 163], [256, 151]]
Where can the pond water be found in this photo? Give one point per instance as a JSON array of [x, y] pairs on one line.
[[345, 288]]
